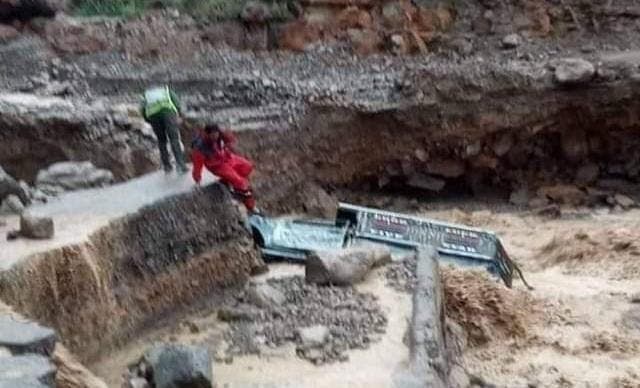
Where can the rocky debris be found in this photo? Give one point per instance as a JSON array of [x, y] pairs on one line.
[[36, 227], [446, 168], [64, 176], [11, 205], [401, 274], [313, 336], [635, 298], [573, 71], [511, 41], [344, 267], [27, 367], [21, 336], [174, 366], [264, 295], [72, 374], [9, 186], [353, 320]]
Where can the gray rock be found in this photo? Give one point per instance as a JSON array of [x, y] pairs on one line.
[[344, 267], [313, 336], [30, 368], [21, 336], [635, 298], [264, 295], [12, 205], [574, 71], [64, 176], [180, 366], [511, 41], [425, 182], [624, 201], [36, 227], [9, 186]]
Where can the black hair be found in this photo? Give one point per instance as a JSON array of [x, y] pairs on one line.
[[209, 128]]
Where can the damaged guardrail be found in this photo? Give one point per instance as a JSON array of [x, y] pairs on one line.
[[354, 225]]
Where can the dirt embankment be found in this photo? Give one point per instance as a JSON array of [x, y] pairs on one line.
[[133, 271]]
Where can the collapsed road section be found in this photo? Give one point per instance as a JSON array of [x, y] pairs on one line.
[[357, 225], [122, 256]]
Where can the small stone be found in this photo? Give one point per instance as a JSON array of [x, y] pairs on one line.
[[624, 201], [313, 336], [138, 382], [36, 227], [421, 154], [574, 71], [503, 144], [635, 298], [4, 352], [448, 168], [230, 314], [425, 182], [564, 194], [12, 205], [265, 296], [511, 41]]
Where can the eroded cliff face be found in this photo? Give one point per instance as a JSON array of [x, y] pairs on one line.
[[152, 262]]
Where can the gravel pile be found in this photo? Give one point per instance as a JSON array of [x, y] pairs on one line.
[[401, 275], [353, 320]]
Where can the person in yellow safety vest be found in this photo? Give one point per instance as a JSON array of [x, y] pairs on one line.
[[160, 107]]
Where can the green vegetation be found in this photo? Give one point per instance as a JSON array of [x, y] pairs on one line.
[[200, 9]]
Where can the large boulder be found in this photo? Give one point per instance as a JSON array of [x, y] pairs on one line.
[[36, 227], [179, 366], [29, 9], [65, 176], [9, 186], [20, 336], [344, 267]]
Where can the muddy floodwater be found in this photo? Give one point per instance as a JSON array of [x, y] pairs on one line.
[[581, 330]]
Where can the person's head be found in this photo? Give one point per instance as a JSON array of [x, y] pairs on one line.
[[212, 131]]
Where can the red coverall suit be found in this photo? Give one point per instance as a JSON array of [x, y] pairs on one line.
[[218, 157]]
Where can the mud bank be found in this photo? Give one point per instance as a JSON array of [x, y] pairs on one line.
[[107, 275]]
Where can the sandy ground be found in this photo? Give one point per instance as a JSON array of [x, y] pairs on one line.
[[581, 329]]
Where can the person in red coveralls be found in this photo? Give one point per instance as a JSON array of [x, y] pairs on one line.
[[213, 149]]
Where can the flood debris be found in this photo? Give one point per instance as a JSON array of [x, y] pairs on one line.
[[322, 322]]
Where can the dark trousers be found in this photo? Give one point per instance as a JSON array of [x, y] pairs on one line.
[[165, 126]]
